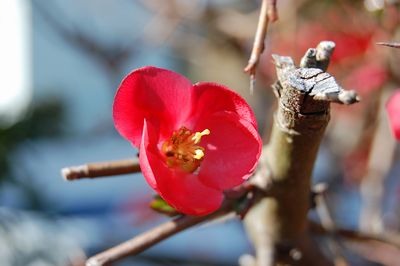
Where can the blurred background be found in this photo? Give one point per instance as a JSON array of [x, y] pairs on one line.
[[62, 62]]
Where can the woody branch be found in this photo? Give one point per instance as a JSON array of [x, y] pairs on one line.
[[279, 221]]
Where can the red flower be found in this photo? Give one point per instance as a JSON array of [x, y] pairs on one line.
[[393, 110], [195, 141]]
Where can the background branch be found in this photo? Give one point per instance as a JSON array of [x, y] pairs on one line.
[[328, 224], [112, 57], [148, 239], [267, 13], [380, 158], [391, 238]]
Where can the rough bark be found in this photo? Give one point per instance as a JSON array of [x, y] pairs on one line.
[[278, 224]]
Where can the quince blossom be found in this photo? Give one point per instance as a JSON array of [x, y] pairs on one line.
[[195, 141], [393, 111]]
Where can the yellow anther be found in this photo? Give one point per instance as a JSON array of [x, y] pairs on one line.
[[182, 149], [197, 136], [199, 154]]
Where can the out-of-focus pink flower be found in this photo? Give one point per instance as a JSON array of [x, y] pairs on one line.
[[393, 111], [350, 44], [367, 78], [195, 141]]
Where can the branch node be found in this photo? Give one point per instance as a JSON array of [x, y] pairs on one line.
[[324, 52], [74, 172], [320, 188], [343, 97], [318, 57], [309, 59], [311, 77], [93, 262], [272, 12]]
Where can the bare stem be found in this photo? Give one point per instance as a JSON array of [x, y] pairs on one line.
[[101, 169], [268, 13], [389, 44], [148, 239]]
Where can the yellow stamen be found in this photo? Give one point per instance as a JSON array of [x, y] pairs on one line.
[[182, 149], [197, 137], [199, 154]]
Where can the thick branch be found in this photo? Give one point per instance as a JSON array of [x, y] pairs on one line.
[[279, 222], [101, 169], [150, 238]]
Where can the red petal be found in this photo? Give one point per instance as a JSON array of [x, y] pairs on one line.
[[393, 110], [210, 98], [151, 93], [232, 150], [145, 145], [181, 190]]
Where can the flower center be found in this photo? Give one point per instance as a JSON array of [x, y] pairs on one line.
[[181, 150]]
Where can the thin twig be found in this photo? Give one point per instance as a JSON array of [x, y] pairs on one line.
[[148, 239], [101, 169], [328, 224], [380, 159], [268, 13], [391, 238], [272, 11], [389, 44]]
